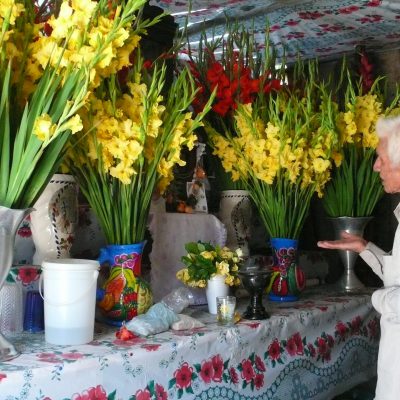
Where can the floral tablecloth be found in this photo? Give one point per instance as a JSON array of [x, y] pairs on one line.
[[315, 348]]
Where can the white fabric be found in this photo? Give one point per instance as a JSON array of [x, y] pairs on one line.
[[170, 233], [387, 302]]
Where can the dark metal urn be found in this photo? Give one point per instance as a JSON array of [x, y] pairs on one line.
[[255, 280]]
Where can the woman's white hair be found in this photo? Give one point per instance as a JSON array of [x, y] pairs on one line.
[[389, 128]]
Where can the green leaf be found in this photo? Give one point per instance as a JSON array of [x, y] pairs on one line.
[[112, 395]]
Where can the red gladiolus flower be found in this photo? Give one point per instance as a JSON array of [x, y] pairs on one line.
[[215, 71], [273, 84], [147, 64], [183, 376], [247, 371], [221, 108]]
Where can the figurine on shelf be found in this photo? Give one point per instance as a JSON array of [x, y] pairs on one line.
[[199, 185]]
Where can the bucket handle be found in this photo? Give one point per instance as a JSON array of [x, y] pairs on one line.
[[95, 275]]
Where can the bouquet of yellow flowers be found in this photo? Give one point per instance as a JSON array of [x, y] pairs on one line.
[[204, 261], [238, 69], [132, 137], [282, 152], [52, 56], [355, 188]]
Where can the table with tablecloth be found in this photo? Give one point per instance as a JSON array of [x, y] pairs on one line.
[[315, 348]]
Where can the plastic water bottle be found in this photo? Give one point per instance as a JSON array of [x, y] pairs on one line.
[[178, 299]]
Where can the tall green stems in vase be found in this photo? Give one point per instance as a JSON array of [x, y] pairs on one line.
[[355, 188], [48, 64], [282, 153], [133, 136]]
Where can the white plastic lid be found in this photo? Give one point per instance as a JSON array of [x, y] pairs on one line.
[[73, 264]]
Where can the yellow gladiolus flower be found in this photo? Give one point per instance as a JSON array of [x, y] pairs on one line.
[[44, 128]]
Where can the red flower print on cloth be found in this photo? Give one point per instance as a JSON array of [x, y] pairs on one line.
[[28, 275], [324, 345], [348, 10], [183, 376], [323, 349], [233, 375], [291, 347], [356, 325], [218, 366], [72, 356], [341, 330], [294, 345], [2, 376], [161, 394], [93, 393], [151, 392], [128, 343], [143, 395], [299, 343], [370, 19], [252, 325], [259, 381], [374, 3], [274, 352], [151, 347], [310, 14], [311, 350], [207, 371], [247, 371], [260, 364], [373, 328]]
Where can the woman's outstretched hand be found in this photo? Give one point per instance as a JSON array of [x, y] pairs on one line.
[[347, 242]]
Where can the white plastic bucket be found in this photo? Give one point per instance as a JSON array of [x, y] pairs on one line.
[[69, 300]]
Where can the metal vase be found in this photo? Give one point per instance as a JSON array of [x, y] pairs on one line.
[[354, 225], [9, 222]]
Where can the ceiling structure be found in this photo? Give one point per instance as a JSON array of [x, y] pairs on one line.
[[323, 29]]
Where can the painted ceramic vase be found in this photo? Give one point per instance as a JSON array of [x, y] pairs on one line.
[[124, 294], [55, 218], [287, 279], [235, 213]]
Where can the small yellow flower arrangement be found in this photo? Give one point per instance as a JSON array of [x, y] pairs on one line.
[[204, 261]]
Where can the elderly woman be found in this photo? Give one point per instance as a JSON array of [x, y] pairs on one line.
[[386, 265]]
